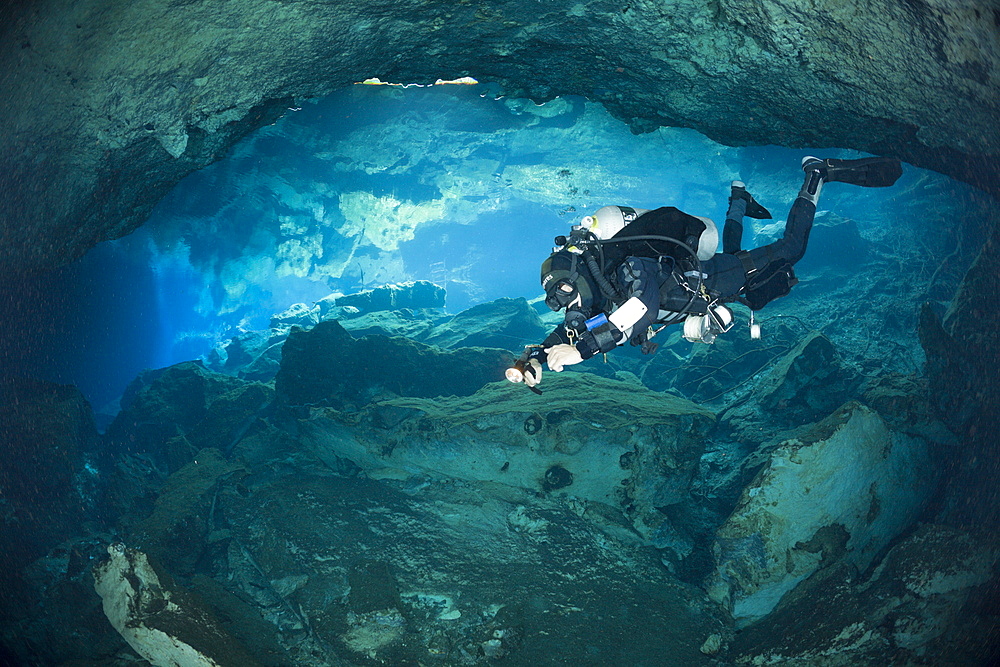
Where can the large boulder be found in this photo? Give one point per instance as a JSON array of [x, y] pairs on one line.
[[963, 355], [171, 413], [416, 295], [505, 323], [178, 530], [607, 444], [837, 493], [164, 623], [922, 604], [328, 366], [807, 383]]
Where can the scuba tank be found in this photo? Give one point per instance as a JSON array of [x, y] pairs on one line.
[[609, 220]]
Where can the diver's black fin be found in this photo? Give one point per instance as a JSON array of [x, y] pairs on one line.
[[869, 172], [754, 209]]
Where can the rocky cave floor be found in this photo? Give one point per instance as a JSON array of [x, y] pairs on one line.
[[328, 492]]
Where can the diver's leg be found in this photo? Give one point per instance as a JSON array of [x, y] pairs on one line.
[[732, 231], [792, 245], [802, 213], [873, 172], [876, 172], [868, 172], [741, 203]]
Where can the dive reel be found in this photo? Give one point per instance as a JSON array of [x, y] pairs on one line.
[[705, 328]]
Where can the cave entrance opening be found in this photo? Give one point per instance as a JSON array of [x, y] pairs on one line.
[[387, 184]]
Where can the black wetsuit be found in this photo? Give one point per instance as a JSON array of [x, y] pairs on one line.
[[667, 281]]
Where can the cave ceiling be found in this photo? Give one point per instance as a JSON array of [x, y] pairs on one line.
[[108, 104]]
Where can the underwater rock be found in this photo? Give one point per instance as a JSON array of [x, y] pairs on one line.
[[839, 492], [163, 623], [185, 400], [416, 295], [508, 324], [326, 366], [50, 614], [442, 573], [412, 324], [177, 530], [46, 430], [807, 384], [296, 315], [963, 358], [712, 371], [598, 441], [247, 355], [918, 606], [159, 403]]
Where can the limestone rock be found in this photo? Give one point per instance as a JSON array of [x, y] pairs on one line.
[[177, 530], [97, 112], [45, 431], [412, 324], [505, 323], [435, 571], [807, 384], [297, 315], [913, 607], [416, 295], [49, 612], [714, 370], [164, 624], [188, 401], [612, 444], [236, 355], [327, 366], [837, 493], [963, 355]]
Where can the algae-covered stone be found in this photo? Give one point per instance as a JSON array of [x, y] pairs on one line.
[[597, 440], [176, 530], [415, 295], [45, 431], [159, 404], [504, 323], [427, 573], [839, 492], [187, 401], [327, 366], [808, 383]]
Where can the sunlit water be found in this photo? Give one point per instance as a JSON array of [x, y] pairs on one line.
[[377, 185]]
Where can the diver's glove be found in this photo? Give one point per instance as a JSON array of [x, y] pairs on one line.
[[562, 355], [532, 372]]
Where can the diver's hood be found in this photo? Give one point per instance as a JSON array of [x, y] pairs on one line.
[[570, 267]]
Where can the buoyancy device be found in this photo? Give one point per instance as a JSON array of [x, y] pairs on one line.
[[629, 227]]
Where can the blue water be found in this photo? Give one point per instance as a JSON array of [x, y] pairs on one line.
[[262, 229]]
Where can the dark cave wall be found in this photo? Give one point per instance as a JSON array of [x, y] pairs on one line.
[[107, 104]]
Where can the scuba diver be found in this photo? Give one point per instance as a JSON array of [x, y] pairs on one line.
[[624, 274]]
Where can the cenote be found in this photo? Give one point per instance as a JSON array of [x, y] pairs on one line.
[[271, 425]]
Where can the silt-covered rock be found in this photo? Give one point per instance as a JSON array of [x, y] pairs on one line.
[[602, 442], [837, 493], [328, 366]]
